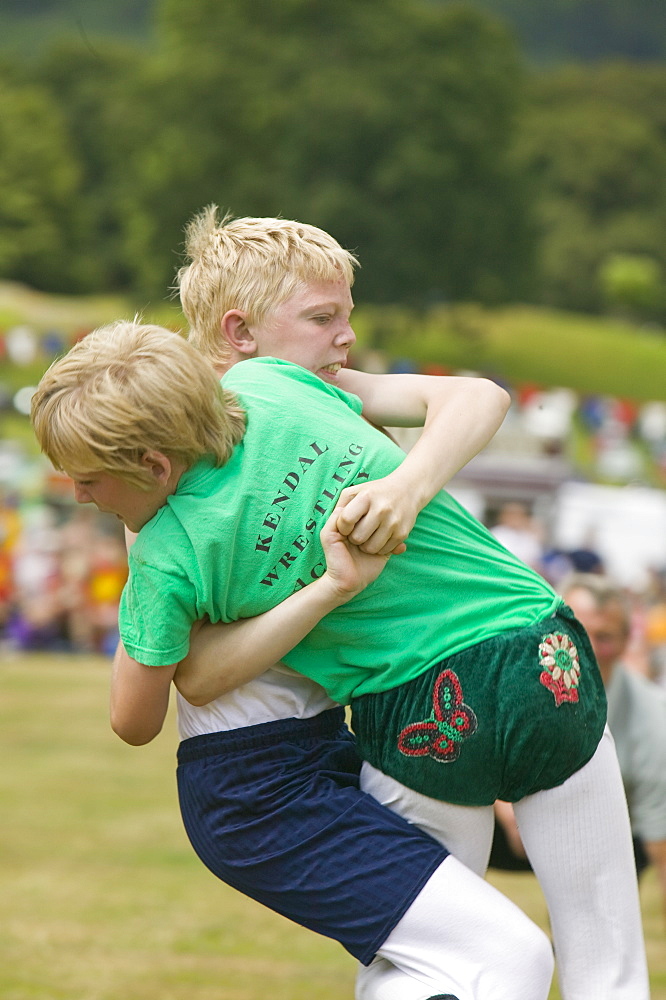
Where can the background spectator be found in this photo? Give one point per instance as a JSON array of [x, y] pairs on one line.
[[520, 533]]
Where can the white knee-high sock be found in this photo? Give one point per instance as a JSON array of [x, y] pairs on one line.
[[578, 839], [384, 981], [461, 936]]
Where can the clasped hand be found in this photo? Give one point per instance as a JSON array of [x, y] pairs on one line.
[[368, 525], [377, 515]]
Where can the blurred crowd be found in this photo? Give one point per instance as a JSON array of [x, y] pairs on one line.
[[627, 632], [526, 536], [62, 570]]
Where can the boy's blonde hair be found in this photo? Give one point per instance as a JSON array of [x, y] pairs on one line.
[[252, 265], [129, 388]]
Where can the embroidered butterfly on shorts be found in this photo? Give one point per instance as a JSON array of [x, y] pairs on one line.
[[441, 735], [558, 656]]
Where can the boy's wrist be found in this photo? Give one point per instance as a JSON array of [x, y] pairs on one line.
[[411, 480], [332, 592]]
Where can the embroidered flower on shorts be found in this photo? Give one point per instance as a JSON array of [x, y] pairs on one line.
[[451, 722], [558, 657]]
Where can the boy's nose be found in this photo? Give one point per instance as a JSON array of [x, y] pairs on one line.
[[347, 336]]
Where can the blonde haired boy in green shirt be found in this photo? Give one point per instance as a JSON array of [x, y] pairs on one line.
[[342, 644], [264, 804]]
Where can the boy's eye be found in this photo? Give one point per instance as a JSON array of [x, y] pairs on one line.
[[322, 319]]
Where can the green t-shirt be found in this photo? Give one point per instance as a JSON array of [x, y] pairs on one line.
[[233, 542]]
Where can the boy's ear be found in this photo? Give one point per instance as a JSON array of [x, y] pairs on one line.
[[158, 465], [236, 332]]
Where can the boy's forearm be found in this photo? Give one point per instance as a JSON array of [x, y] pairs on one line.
[[459, 416], [457, 427], [225, 656]]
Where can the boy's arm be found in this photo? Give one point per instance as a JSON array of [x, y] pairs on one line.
[[139, 698], [222, 657], [459, 417], [139, 693]]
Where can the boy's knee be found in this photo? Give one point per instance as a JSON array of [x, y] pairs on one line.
[[526, 964], [535, 966]]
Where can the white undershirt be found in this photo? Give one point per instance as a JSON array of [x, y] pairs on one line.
[[279, 693]]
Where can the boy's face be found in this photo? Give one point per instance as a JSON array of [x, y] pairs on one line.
[[311, 329], [134, 507]]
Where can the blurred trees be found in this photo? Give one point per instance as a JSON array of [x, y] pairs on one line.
[[39, 178], [388, 122], [409, 129], [632, 284], [29, 25], [594, 144], [92, 88]]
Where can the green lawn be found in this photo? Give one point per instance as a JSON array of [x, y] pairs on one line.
[[102, 896]]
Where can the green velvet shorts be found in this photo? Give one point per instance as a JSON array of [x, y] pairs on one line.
[[511, 716]]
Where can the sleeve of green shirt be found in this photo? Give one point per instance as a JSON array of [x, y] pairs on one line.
[[156, 613]]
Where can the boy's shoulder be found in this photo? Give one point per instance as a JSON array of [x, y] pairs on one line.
[[266, 374], [148, 546], [265, 370]]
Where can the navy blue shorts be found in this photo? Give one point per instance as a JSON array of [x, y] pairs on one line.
[[275, 811]]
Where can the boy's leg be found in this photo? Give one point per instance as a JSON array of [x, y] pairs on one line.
[[466, 831], [451, 929], [461, 937], [275, 811], [578, 839], [381, 980]]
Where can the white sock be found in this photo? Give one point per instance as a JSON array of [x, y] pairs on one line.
[[578, 839]]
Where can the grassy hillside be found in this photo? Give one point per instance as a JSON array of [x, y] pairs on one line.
[[517, 343], [526, 344]]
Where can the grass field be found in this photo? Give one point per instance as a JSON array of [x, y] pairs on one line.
[[102, 896]]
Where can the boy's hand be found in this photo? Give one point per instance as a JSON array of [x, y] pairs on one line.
[[378, 515], [348, 568]]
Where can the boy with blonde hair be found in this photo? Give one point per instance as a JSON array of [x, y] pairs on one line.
[[128, 390], [273, 808], [258, 287], [441, 737], [251, 266]]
